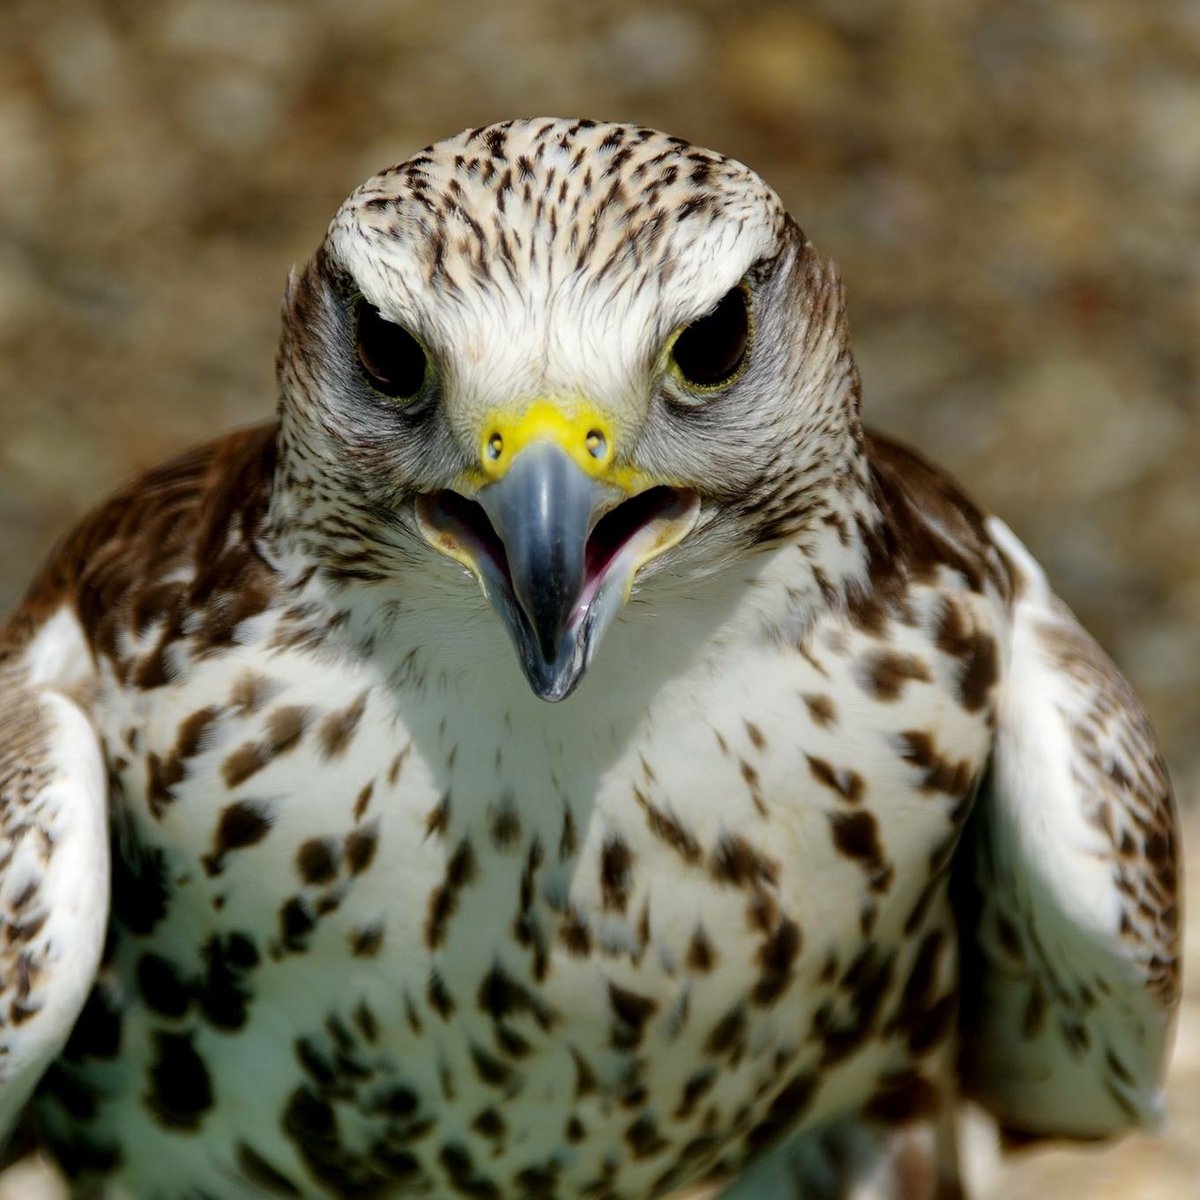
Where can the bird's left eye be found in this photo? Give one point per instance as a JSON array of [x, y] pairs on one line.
[[710, 351], [393, 360]]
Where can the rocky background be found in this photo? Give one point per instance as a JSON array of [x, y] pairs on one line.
[[1012, 191]]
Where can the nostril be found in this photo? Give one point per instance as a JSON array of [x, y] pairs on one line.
[[596, 443], [495, 446]]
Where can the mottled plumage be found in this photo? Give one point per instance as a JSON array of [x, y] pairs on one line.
[[840, 817]]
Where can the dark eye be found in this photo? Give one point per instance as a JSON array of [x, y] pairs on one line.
[[390, 355], [709, 351]]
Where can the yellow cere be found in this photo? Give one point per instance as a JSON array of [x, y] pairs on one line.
[[574, 426]]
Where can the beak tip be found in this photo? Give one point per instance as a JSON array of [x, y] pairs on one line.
[[549, 682]]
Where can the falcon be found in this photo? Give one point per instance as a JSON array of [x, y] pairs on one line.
[[566, 755]]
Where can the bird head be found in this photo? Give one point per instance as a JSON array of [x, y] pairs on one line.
[[569, 357]]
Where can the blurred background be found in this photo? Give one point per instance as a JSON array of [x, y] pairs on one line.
[[1011, 188]]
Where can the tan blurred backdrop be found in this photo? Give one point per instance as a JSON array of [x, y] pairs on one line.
[[1011, 188]]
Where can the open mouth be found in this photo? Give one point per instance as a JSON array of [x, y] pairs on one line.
[[623, 539], [556, 549]]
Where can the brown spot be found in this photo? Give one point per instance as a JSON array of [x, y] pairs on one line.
[[940, 774], [242, 824], [180, 1088], [456, 1160], [856, 835], [311, 1125], [366, 942], [1075, 1034], [1118, 1068], [702, 954], [847, 783], [669, 829], [513, 1044], [953, 634], [490, 1123], [698, 1086], [569, 839], [821, 708], [750, 775], [245, 761], [727, 1036], [250, 692], [866, 981], [284, 729], [736, 862], [785, 1110], [368, 1024], [316, 860], [976, 652], [161, 777], [194, 730], [337, 729], [885, 672], [260, 1172], [757, 739], [922, 1015], [439, 996], [644, 1139], [439, 816], [362, 800], [575, 934], [442, 905], [869, 610], [777, 957], [296, 922], [631, 1011], [358, 850], [616, 873], [500, 996], [163, 986], [585, 1077], [461, 869], [489, 1068], [397, 765], [397, 1101], [505, 825]]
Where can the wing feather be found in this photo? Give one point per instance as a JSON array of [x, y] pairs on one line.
[[1071, 957], [54, 865]]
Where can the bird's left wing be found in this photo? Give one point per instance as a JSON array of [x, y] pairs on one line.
[[1069, 877], [54, 865]]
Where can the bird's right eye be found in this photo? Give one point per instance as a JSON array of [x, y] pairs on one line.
[[392, 359]]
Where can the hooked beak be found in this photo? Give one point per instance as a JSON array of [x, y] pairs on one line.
[[556, 548]]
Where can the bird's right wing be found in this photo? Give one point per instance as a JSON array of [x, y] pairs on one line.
[[54, 855]]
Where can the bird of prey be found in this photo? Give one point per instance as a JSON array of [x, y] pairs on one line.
[[566, 755]]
